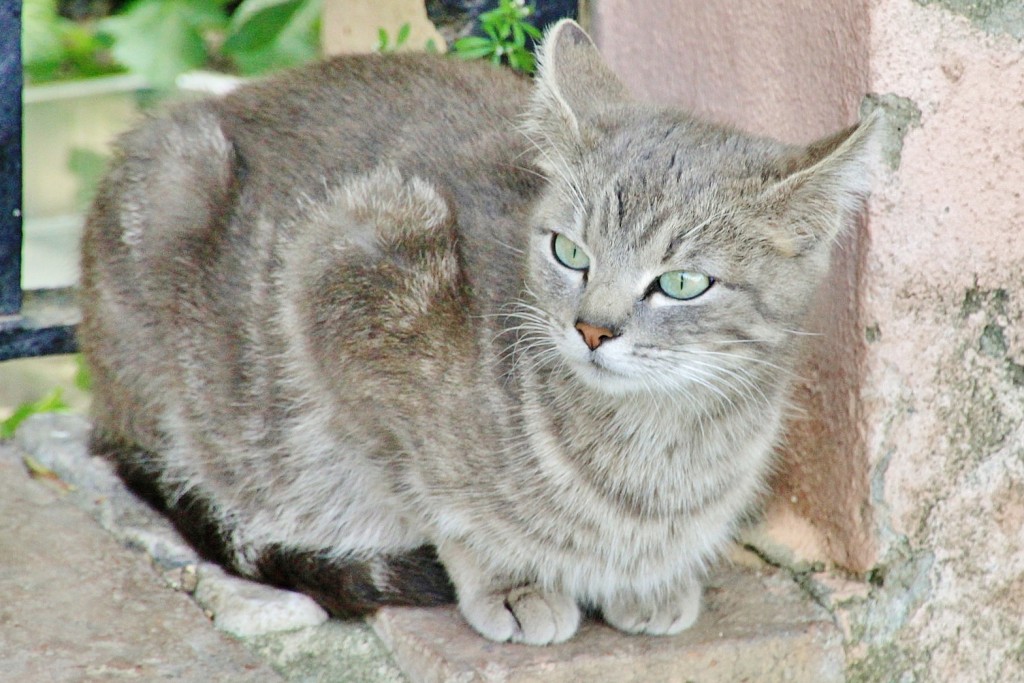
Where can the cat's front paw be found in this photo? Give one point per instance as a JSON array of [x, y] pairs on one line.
[[662, 618], [522, 615]]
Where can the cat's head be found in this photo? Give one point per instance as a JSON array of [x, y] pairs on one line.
[[667, 253]]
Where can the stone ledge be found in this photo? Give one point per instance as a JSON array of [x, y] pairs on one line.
[[757, 625], [77, 607]]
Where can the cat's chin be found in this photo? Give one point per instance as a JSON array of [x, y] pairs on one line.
[[604, 380]]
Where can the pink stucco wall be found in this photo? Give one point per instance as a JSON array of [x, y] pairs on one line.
[[909, 469], [797, 71], [794, 69]]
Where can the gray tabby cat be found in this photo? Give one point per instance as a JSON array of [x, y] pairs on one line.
[[406, 330]]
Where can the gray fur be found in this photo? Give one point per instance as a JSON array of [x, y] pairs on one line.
[[328, 303]]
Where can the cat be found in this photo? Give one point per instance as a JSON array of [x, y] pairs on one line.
[[409, 330]]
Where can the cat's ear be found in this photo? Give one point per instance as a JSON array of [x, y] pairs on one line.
[[823, 186], [572, 86]]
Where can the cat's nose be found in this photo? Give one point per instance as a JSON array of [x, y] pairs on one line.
[[593, 335]]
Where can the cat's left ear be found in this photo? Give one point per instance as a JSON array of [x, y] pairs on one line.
[[823, 187], [572, 87]]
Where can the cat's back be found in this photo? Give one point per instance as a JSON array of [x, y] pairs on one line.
[[223, 176], [425, 113], [181, 246]]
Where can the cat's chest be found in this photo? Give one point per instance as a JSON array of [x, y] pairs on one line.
[[638, 464]]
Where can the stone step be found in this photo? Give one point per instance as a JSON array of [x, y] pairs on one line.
[[756, 626], [76, 606], [81, 601]]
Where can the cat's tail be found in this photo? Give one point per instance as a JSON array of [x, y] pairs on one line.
[[345, 587], [354, 587]]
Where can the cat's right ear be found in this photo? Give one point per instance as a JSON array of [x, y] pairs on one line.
[[572, 87], [824, 186]]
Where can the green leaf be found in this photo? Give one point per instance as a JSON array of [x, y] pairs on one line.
[[83, 377], [40, 37], [160, 39], [507, 29], [532, 30], [255, 30], [403, 34], [274, 34], [473, 47], [471, 43], [52, 402]]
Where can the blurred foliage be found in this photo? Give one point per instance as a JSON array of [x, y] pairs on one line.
[[53, 402], [160, 39], [507, 29], [56, 48], [384, 44], [264, 35]]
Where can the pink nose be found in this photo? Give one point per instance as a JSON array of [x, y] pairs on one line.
[[593, 335]]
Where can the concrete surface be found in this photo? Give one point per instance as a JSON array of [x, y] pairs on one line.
[[97, 587], [77, 607]]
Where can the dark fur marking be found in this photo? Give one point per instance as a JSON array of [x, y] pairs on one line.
[[191, 513], [621, 205], [345, 588], [755, 297]]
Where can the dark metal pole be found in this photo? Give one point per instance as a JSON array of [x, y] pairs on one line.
[[10, 156]]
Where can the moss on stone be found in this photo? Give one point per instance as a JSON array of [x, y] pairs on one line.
[[900, 586], [992, 16], [901, 114], [992, 342], [977, 299], [884, 664]]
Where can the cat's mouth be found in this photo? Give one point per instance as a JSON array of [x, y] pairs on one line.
[[595, 370], [599, 377]]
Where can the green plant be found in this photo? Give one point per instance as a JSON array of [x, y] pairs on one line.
[[384, 43], [160, 39], [507, 28], [83, 378], [264, 35], [52, 402], [55, 48]]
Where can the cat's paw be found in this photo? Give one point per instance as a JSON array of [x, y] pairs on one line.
[[663, 618], [522, 615]]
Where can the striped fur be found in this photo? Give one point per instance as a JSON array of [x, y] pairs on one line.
[[331, 339]]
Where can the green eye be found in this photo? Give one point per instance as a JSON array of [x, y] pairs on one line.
[[683, 284], [568, 253]]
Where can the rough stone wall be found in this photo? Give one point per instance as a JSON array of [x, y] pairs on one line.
[[943, 307]]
